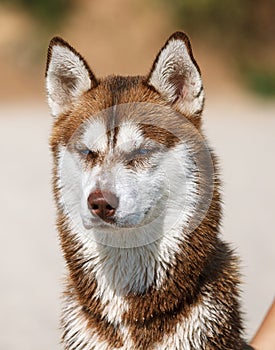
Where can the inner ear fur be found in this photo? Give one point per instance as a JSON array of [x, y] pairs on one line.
[[67, 75], [176, 76]]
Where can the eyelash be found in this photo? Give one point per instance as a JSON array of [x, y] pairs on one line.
[[143, 151], [86, 152], [138, 155]]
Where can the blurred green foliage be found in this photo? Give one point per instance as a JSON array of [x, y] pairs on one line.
[[260, 80], [232, 22], [244, 28], [49, 12]]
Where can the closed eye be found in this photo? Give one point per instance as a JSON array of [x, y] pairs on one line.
[[84, 151], [147, 151], [87, 152], [140, 156], [143, 151]]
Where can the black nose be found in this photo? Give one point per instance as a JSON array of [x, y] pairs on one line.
[[103, 204]]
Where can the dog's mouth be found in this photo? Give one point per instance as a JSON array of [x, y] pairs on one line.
[[119, 221], [106, 211]]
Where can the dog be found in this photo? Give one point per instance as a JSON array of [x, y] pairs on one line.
[[137, 192]]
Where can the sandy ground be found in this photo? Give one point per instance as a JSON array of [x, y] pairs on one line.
[[242, 132]]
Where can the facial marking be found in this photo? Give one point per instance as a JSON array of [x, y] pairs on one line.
[[95, 137], [129, 137]]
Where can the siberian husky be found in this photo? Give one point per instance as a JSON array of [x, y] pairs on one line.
[[138, 208]]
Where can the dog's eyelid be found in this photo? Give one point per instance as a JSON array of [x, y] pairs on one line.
[[143, 151], [148, 149], [84, 150]]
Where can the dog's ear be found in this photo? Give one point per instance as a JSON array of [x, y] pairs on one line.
[[68, 76], [176, 76]]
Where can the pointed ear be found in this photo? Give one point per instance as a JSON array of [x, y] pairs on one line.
[[68, 76], [176, 76]]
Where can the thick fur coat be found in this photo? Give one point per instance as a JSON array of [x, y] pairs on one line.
[[138, 208]]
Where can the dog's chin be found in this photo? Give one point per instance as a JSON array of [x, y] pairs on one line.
[[105, 225], [128, 222], [92, 222], [126, 231]]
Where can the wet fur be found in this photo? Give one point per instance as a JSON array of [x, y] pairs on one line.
[[179, 292]]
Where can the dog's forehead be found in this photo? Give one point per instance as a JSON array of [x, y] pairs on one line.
[[95, 135], [129, 136], [124, 113], [100, 135]]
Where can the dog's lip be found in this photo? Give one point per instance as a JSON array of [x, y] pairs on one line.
[[103, 225], [112, 223], [99, 223]]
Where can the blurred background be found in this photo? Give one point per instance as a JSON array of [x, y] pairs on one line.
[[234, 44]]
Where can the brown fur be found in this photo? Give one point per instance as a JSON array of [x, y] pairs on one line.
[[204, 265]]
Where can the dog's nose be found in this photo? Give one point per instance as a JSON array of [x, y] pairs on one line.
[[103, 204]]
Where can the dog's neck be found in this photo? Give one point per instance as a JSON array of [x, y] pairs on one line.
[[132, 270], [106, 280]]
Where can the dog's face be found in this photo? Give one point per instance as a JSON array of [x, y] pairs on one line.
[[130, 162]]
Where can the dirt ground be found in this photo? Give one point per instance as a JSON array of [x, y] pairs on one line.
[[241, 131]]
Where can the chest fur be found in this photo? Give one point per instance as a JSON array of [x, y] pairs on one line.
[[114, 331]]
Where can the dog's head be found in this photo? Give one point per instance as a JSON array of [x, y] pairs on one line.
[[129, 156]]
